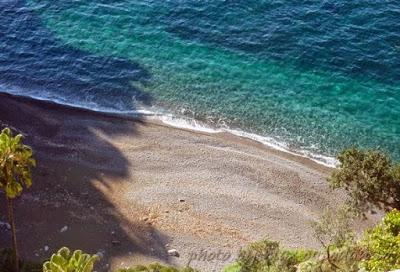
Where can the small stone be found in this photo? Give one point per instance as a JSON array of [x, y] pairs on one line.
[[6, 225], [100, 254], [64, 229], [145, 218], [46, 248], [181, 200], [92, 208], [112, 232], [173, 253], [115, 243], [166, 245]]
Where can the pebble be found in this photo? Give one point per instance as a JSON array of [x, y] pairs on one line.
[[115, 243], [46, 248], [173, 252], [5, 224], [101, 254], [64, 229]]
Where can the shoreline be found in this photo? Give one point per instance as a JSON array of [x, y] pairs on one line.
[[196, 126]]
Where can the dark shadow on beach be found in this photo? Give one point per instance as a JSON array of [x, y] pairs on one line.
[[65, 206], [68, 204]]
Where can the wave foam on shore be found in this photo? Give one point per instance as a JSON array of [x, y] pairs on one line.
[[174, 120]]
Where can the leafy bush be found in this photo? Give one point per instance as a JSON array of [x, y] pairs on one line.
[[156, 268], [383, 243], [370, 178], [345, 258], [64, 261], [235, 267], [334, 227], [269, 257]]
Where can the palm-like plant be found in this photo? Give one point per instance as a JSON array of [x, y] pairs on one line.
[[16, 162], [66, 261]]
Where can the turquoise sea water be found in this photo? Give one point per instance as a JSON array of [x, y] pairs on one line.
[[317, 76]]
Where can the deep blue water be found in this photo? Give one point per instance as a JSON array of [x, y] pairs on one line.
[[318, 76]]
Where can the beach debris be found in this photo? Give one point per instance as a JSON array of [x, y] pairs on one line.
[[64, 229], [181, 200], [5, 225], [101, 253], [173, 253], [115, 243]]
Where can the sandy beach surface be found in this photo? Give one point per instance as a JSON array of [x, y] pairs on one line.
[[131, 190]]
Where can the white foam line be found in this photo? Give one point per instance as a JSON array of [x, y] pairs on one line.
[[195, 125], [180, 122]]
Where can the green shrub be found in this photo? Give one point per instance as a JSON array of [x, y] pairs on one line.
[[156, 268], [383, 243], [64, 261], [235, 267], [334, 227], [370, 178], [345, 258], [269, 257]]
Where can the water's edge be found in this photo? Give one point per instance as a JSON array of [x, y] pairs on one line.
[[174, 120]]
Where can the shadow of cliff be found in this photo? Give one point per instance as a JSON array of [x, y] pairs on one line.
[[71, 202]]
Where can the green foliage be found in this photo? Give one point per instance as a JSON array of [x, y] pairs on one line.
[[383, 243], [15, 172], [64, 261], [156, 268], [6, 263], [15, 164], [345, 258], [235, 267], [334, 227], [269, 257], [369, 177]]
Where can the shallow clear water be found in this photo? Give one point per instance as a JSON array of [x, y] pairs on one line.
[[317, 75]]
